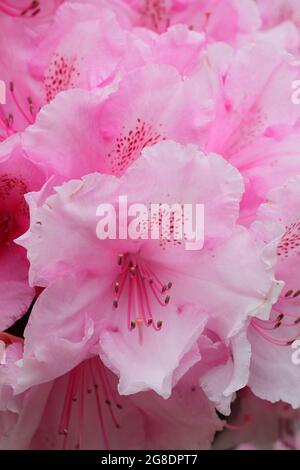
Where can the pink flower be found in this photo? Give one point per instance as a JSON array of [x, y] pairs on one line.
[[82, 49], [178, 46], [257, 125], [83, 409], [61, 60], [113, 125], [274, 374], [21, 94], [138, 327], [242, 18], [21, 23], [50, 56], [17, 176], [135, 341]]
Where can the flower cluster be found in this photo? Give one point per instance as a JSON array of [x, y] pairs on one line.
[[141, 343]]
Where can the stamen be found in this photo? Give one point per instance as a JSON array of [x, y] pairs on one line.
[[99, 408], [66, 412], [112, 392], [272, 339], [106, 396], [17, 11], [30, 103], [289, 292], [8, 9], [87, 377], [29, 119], [81, 407], [141, 281]]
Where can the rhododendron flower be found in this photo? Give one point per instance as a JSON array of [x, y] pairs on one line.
[[131, 280], [22, 98], [242, 18], [21, 23], [272, 340], [151, 104], [83, 410], [17, 176], [256, 132], [82, 49], [47, 60], [149, 224]]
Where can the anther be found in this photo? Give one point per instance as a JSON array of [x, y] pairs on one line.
[[289, 292], [116, 303], [120, 259], [167, 299], [297, 293], [117, 287], [159, 324], [132, 324], [29, 100]]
